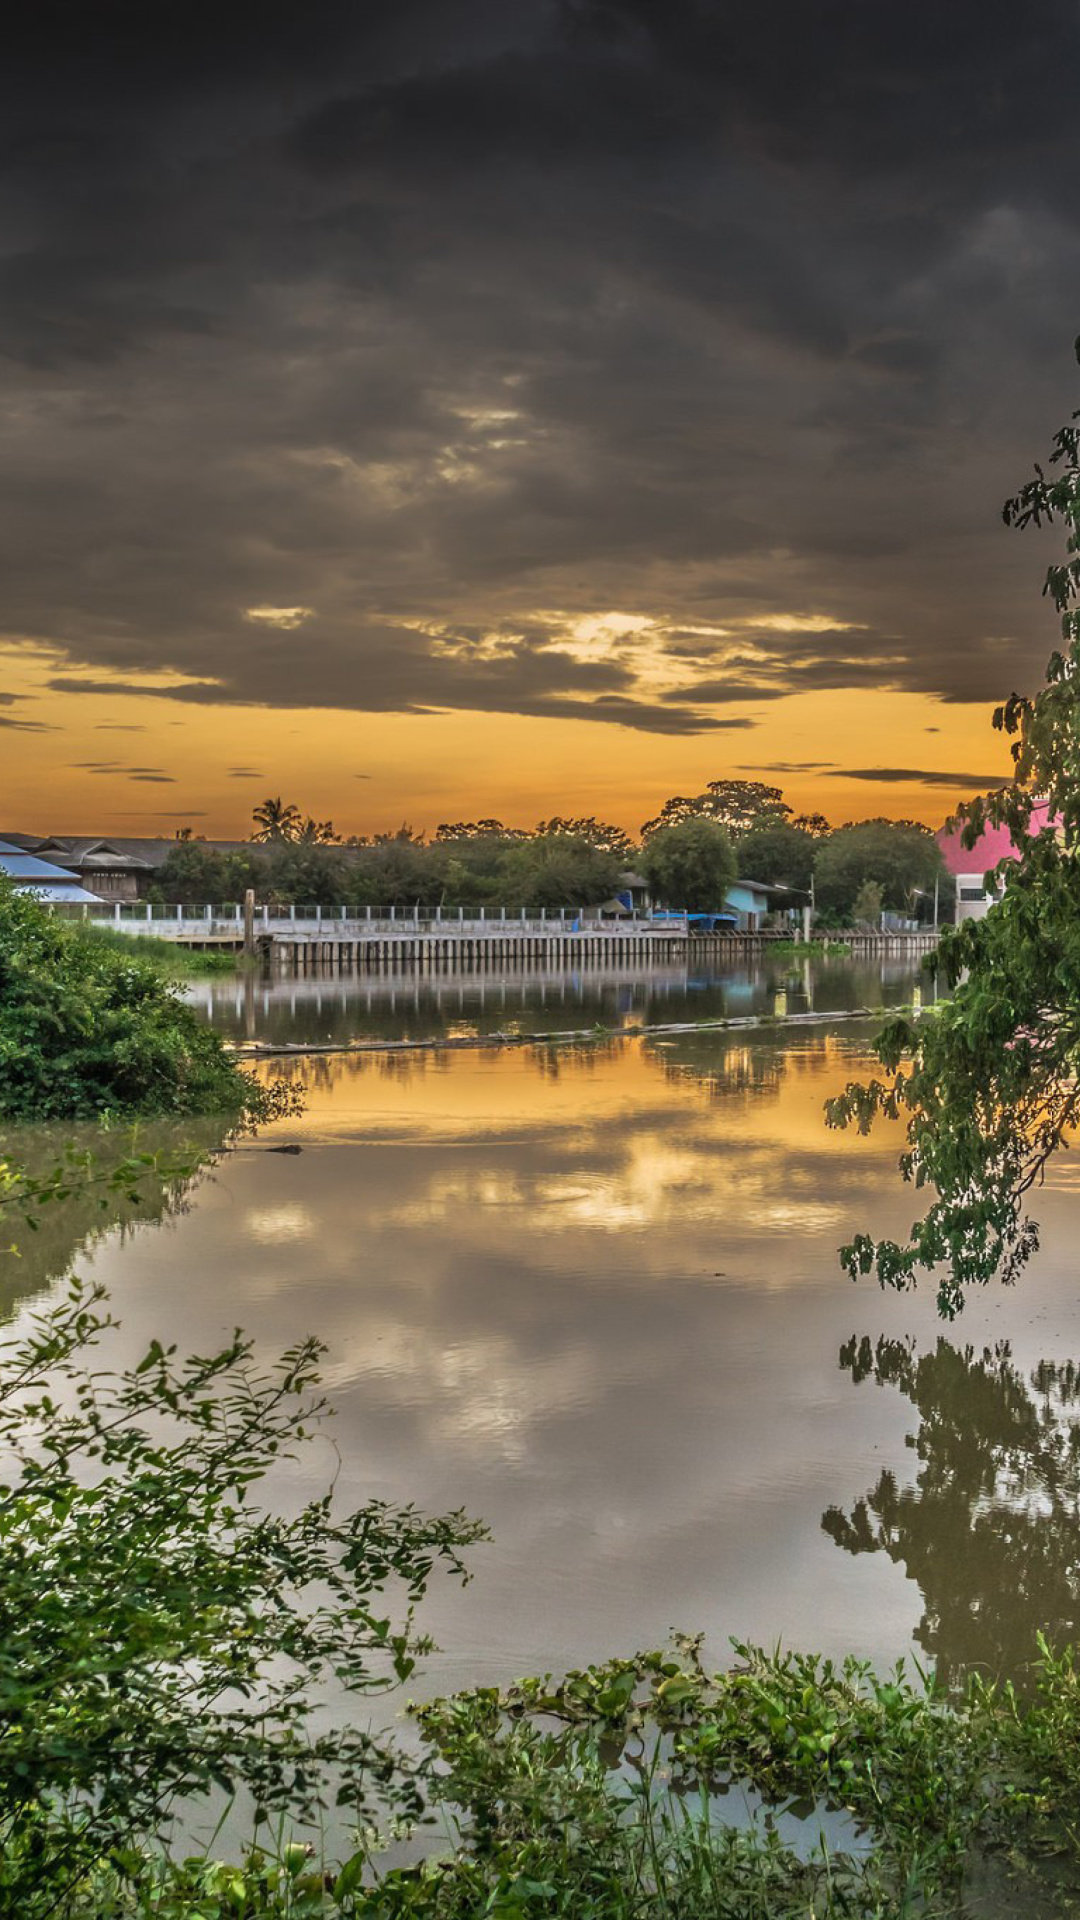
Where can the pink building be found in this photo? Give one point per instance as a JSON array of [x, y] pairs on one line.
[[969, 865]]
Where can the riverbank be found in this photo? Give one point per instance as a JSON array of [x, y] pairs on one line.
[[177, 962]]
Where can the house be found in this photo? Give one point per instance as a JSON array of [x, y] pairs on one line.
[[744, 906], [749, 901], [969, 866], [52, 884], [116, 868]]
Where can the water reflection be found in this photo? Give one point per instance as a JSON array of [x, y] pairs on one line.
[[991, 1528], [593, 1296], [407, 1003], [38, 1250], [583, 1296]]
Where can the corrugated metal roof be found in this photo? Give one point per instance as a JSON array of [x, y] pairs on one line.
[[69, 891], [26, 866]]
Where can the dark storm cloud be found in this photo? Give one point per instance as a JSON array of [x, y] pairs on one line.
[[342, 344], [923, 776]]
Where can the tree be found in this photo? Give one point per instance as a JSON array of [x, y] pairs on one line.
[[557, 870], [594, 833], [194, 875], [306, 873], [88, 1031], [989, 1085], [450, 830], [814, 824], [690, 864], [777, 852], [277, 820], [902, 857], [318, 833], [734, 804], [164, 1635], [866, 910]]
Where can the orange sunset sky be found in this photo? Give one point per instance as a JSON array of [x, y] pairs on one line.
[[451, 410], [209, 766]]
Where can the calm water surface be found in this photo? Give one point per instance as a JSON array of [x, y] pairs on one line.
[[593, 1297], [329, 1005]]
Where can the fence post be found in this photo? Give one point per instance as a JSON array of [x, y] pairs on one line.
[[116, 913], [149, 910], [179, 912]]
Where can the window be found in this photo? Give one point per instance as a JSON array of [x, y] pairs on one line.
[[972, 893]]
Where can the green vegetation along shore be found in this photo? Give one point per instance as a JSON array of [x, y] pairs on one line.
[[91, 1030], [176, 961]]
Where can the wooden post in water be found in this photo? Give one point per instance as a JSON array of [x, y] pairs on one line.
[[249, 922]]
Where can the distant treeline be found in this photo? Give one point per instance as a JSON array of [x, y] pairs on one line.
[[689, 855]]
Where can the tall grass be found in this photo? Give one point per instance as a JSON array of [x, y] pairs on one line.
[[179, 962]]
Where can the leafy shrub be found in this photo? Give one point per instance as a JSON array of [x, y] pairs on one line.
[[89, 1030], [163, 1636]]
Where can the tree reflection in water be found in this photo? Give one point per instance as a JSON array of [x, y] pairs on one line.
[[990, 1530]]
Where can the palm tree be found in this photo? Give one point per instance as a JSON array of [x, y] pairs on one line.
[[318, 833], [277, 821]]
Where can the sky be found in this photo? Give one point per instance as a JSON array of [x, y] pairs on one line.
[[465, 407]]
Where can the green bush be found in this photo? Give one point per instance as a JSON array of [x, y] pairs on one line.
[[88, 1030], [163, 1635]]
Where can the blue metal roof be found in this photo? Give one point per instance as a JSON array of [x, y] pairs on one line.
[[69, 891], [26, 866]]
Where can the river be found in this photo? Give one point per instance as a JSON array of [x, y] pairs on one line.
[[592, 1295]]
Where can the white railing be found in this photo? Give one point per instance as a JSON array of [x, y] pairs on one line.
[[353, 923]]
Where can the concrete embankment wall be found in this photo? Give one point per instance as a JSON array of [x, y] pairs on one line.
[[298, 953]]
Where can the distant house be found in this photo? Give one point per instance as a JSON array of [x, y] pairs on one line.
[[749, 901], [50, 883], [969, 866], [113, 868], [745, 903], [103, 867]]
